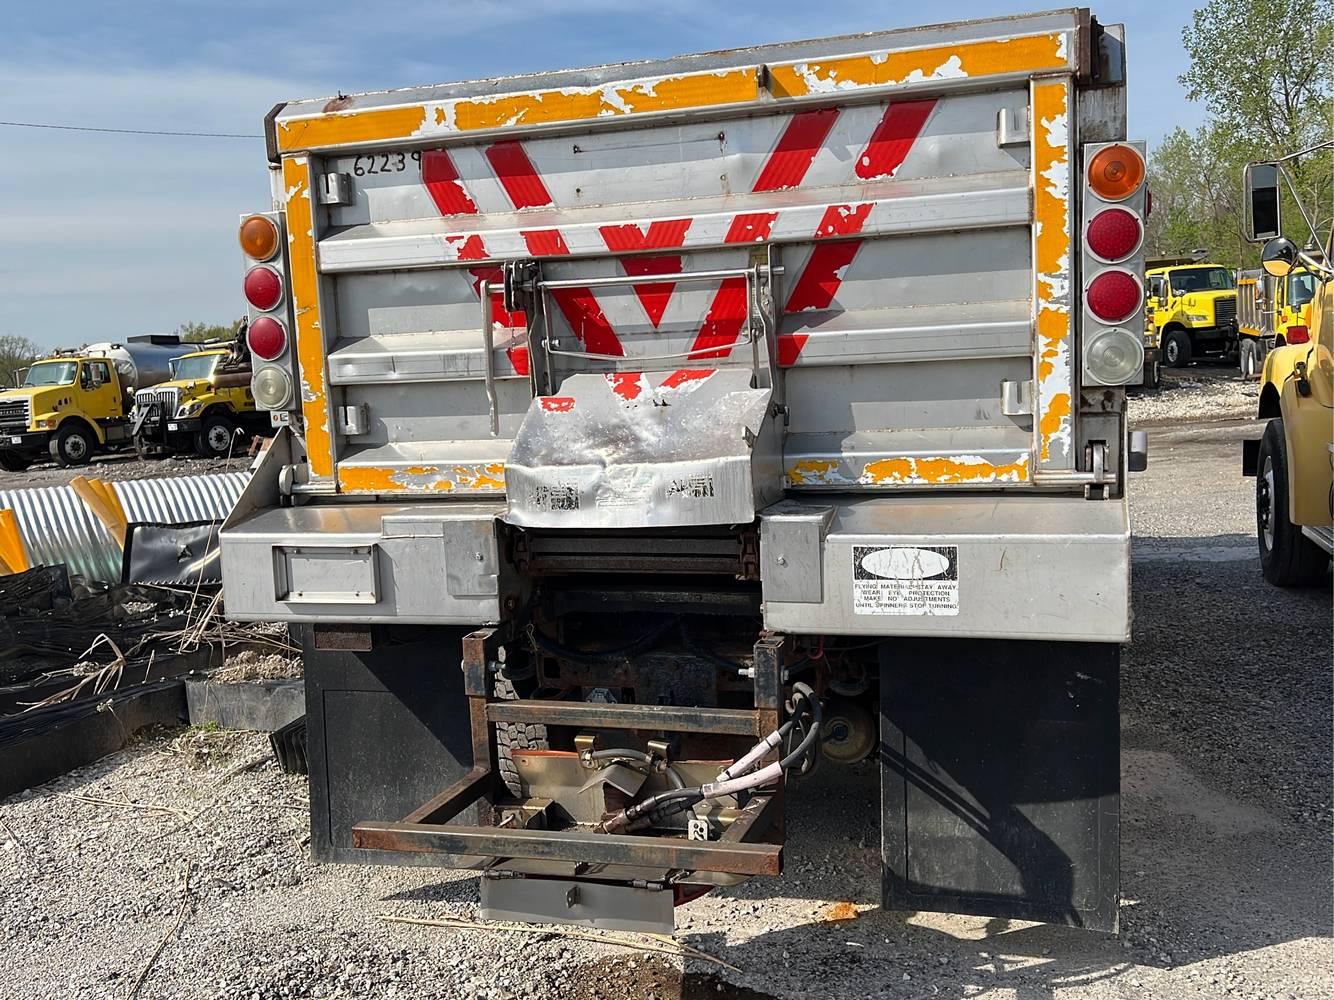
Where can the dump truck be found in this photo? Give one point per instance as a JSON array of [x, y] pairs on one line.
[[76, 403], [1272, 311], [654, 433], [206, 408], [1193, 310], [1293, 460]]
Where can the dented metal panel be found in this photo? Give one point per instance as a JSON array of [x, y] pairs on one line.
[[632, 449]]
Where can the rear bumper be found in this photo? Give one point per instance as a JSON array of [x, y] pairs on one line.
[[1000, 567]]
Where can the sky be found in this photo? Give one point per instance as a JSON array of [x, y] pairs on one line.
[[106, 236]]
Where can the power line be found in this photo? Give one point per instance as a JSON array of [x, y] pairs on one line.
[[132, 131]]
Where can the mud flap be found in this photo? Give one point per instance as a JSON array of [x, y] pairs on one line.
[[386, 730], [1000, 779]]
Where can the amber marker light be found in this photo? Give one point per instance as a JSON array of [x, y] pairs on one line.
[[1115, 172], [259, 237]]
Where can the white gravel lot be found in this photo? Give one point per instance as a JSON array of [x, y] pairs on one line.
[[1226, 832]]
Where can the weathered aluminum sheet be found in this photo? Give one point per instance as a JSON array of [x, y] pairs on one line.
[[634, 449], [1034, 566], [58, 528]]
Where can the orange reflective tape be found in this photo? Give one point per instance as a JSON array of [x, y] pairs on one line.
[[968, 60], [486, 478], [942, 471], [311, 384], [1051, 262], [472, 114]]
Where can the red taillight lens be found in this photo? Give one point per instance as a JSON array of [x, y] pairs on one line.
[[1116, 172], [1298, 335], [258, 237], [1113, 234], [1113, 296], [267, 338], [263, 287]]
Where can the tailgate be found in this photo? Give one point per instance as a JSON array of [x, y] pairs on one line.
[[876, 228]]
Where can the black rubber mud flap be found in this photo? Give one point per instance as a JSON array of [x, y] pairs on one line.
[[1000, 779], [386, 730]]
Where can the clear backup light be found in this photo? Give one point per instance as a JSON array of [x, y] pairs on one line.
[[1113, 356], [272, 388]]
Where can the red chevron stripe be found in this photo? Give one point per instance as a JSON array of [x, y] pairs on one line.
[[821, 276], [517, 174], [898, 129], [661, 234], [545, 242], [587, 320], [723, 323], [750, 227], [801, 140], [443, 184]]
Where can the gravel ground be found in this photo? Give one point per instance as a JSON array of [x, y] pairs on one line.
[[1226, 829], [1206, 391], [122, 466]]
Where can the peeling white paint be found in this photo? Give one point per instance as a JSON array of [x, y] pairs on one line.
[[1062, 46], [950, 69], [817, 84]]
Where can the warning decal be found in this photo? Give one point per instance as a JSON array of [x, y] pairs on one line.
[[905, 579]]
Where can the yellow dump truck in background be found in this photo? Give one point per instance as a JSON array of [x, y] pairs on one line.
[[1192, 308], [74, 404], [1292, 462], [1272, 312], [206, 408]]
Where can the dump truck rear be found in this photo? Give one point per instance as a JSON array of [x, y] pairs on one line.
[[656, 431]]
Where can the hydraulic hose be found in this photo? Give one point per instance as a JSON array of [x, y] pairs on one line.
[[675, 800]]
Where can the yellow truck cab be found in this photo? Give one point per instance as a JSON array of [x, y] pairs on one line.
[[1291, 462], [1192, 308], [1272, 312], [203, 408], [68, 407]]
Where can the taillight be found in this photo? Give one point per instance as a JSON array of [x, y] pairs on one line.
[[1113, 296], [259, 237], [1298, 335], [1113, 234], [1115, 172], [267, 338], [263, 287]]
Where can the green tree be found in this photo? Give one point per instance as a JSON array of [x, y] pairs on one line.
[[15, 352], [196, 333], [1265, 73], [1264, 69]]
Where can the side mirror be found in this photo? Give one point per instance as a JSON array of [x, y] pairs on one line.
[[1279, 257], [1262, 217]]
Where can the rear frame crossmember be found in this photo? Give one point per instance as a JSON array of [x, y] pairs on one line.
[[750, 845]]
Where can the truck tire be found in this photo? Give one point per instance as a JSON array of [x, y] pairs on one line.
[[12, 461], [1287, 557], [1248, 359], [214, 439], [512, 736], [73, 445], [1176, 349]]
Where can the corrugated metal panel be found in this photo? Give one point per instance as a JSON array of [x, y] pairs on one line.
[[58, 528]]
